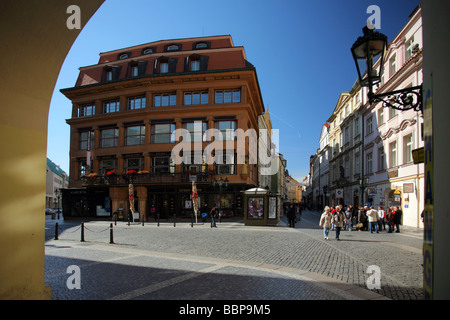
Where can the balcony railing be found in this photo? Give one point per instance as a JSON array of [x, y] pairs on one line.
[[147, 178]]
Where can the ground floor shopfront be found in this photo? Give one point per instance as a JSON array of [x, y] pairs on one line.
[[151, 201]]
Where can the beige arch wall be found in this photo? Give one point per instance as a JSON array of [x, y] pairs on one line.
[[34, 40]]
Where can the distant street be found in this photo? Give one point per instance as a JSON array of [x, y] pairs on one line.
[[231, 262]]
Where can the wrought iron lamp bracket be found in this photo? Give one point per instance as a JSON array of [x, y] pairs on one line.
[[404, 99]]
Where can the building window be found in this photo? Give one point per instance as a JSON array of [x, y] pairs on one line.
[[197, 97], [135, 103], [135, 135], [108, 165], [162, 133], [227, 129], [357, 164], [380, 116], [393, 154], [369, 168], [381, 159], [163, 165], [392, 66], [392, 113], [164, 67], [346, 135], [173, 47], [123, 56], [147, 51], [109, 138], [197, 129], [369, 125], [83, 169], [195, 65], [356, 127], [228, 165], [409, 47], [228, 96], [85, 142], [134, 71], [201, 45], [165, 99], [110, 106], [86, 110], [109, 75], [407, 147], [136, 164]]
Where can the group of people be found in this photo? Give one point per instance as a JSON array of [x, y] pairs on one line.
[[361, 218]]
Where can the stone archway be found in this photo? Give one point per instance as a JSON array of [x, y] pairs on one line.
[[35, 41]]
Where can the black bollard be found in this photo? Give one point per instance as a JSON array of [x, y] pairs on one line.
[[56, 231], [157, 217], [174, 220], [82, 232], [111, 234]]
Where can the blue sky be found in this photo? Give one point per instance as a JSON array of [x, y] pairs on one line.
[[301, 51]]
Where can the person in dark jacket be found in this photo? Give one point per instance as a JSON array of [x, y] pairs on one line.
[[291, 216], [204, 211], [213, 217], [397, 218]]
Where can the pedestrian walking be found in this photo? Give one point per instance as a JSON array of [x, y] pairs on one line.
[[338, 221], [398, 218], [213, 217], [290, 215], [325, 222], [372, 215]]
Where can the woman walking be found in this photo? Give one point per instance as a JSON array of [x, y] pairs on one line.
[[325, 222]]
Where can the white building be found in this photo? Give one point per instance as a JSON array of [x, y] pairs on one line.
[[391, 177]]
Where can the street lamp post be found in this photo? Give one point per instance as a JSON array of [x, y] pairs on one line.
[[367, 49], [220, 183]]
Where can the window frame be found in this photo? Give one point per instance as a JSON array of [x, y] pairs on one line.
[[140, 136], [155, 135]]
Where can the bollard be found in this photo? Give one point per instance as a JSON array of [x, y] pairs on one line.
[[82, 232], [111, 234], [174, 220], [56, 231], [157, 217], [192, 220]]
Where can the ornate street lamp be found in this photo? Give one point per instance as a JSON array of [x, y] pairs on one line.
[[372, 47], [220, 183]]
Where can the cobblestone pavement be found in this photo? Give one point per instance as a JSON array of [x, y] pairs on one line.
[[230, 262]]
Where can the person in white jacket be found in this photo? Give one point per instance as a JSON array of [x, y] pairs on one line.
[[372, 214], [325, 222]]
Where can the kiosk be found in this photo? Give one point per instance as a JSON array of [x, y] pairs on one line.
[[261, 208]]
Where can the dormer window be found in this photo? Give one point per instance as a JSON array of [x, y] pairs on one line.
[[109, 75], [134, 71], [195, 65], [147, 51], [201, 45], [123, 56], [173, 47]]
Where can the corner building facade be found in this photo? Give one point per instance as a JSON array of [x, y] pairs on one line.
[[125, 109]]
